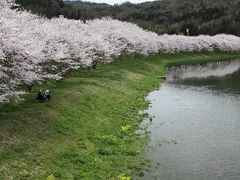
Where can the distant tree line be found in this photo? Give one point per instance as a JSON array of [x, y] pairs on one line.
[[166, 16]]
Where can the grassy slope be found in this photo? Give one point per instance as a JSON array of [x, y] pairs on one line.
[[82, 132]]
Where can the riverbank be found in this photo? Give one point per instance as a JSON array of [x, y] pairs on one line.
[[87, 130]]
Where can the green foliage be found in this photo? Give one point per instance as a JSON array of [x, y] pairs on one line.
[[48, 8], [88, 130]]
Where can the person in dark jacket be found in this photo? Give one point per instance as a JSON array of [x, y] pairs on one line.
[[40, 97]]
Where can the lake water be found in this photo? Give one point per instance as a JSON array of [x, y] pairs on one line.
[[195, 131]]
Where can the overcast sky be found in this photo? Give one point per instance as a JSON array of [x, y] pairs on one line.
[[116, 1]]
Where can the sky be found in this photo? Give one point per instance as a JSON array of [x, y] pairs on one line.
[[112, 2]]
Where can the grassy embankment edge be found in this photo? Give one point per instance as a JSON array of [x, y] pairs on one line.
[[88, 130]]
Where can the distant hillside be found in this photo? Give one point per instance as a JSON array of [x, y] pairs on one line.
[[166, 16], [48, 8]]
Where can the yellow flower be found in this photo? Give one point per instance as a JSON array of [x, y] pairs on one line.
[[124, 177], [51, 177], [112, 137], [126, 128]]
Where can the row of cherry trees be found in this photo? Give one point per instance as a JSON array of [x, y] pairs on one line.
[[34, 48]]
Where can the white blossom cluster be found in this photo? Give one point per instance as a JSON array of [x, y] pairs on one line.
[[34, 48]]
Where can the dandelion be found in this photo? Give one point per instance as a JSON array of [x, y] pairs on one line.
[[124, 177], [126, 128], [51, 177]]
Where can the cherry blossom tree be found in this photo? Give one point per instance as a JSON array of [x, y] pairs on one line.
[[34, 48]]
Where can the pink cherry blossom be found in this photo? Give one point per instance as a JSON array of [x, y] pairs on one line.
[[34, 48]]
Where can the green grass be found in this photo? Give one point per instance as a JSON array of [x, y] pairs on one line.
[[87, 130]]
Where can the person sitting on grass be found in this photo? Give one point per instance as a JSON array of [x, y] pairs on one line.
[[40, 97], [47, 95], [43, 96]]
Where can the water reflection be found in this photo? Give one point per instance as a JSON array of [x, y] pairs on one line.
[[195, 132], [217, 69], [226, 84]]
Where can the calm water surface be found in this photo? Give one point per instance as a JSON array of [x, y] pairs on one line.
[[195, 132]]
